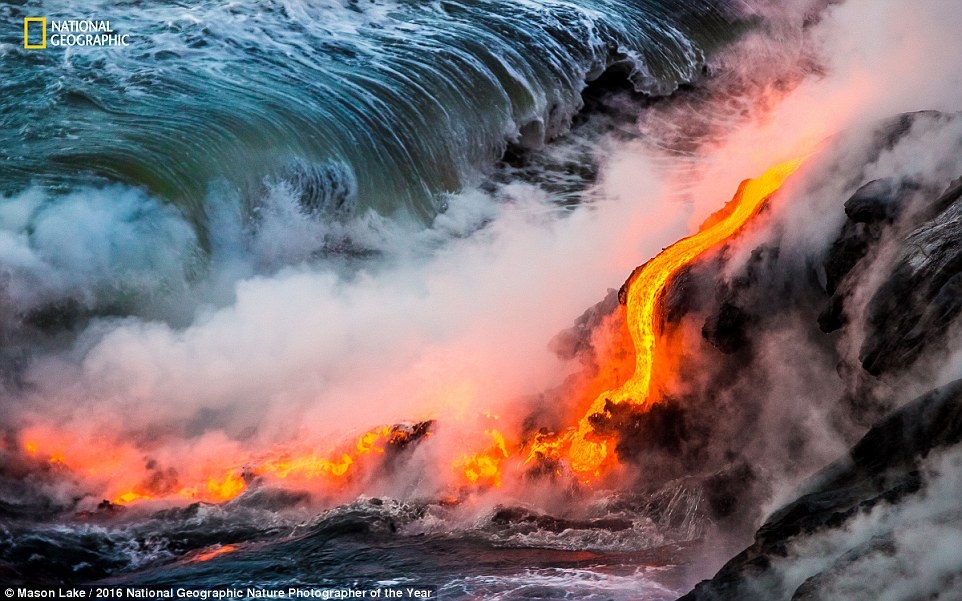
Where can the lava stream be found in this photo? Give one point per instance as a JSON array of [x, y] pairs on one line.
[[586, 450]]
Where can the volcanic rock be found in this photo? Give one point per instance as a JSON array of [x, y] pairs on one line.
[[872, 207], [913, 309], [576, 340], [883, 467], [726, 330], [878, 200]]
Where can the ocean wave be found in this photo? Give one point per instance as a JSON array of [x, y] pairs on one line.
[[389, 104]]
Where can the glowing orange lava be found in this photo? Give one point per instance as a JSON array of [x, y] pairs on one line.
[[484, 469], [586, 450], [130, 481]]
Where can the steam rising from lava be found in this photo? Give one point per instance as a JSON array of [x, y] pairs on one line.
[[300, 365], [584, 450]]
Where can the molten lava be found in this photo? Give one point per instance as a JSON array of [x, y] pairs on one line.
[[130, 481], [586, 450], [484, 469], [216, 551]]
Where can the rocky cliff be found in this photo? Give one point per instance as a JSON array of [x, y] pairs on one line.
[[884, 520]]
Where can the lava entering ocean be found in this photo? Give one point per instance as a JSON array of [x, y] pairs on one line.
[[131, 478]]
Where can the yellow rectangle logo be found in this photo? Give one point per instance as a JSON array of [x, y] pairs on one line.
[[26, 32]]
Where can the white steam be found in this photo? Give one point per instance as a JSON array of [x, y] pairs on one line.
[[908, 550], [94, 246], [441, 326]]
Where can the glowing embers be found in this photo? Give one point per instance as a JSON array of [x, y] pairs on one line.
[[587, 450]]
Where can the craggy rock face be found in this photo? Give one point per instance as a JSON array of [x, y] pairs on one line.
[[847, 319], [923, 295], [889, 286], [883, 470], [874, 308]]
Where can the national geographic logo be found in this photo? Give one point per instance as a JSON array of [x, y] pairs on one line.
[[70, 32], [42, 22]]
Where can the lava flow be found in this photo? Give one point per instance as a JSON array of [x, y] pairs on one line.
[[585, 450], [132, 479]]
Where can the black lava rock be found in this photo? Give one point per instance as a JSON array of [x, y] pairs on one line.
[[914, 307], [884, 466]]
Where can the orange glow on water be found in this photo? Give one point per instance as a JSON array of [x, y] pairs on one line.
[[588, 451], [216, 552]]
